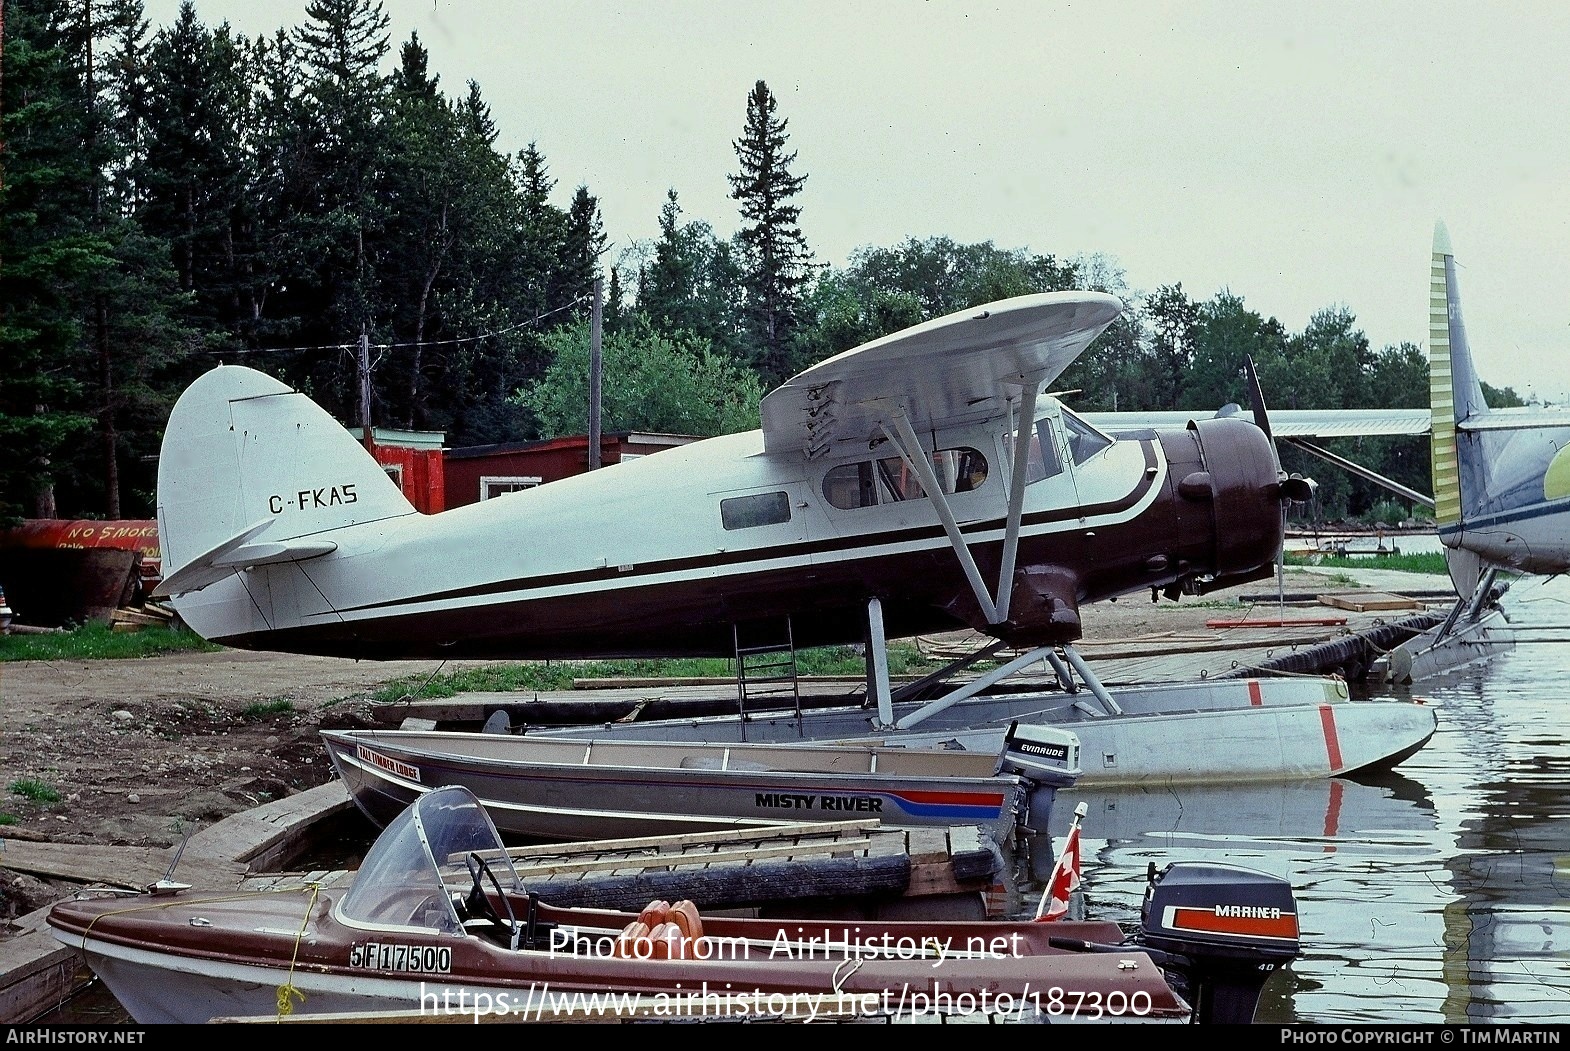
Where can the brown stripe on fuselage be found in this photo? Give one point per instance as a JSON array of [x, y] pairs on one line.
[[798, 550]]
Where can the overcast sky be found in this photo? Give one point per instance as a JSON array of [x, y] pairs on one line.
[[1296, 154]]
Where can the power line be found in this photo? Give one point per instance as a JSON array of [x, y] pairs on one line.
[[412, 343]]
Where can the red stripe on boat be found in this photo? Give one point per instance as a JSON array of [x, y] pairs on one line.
[[1255, 696], [1327, 718], [991, 799]]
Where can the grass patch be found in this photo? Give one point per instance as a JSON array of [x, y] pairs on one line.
[[1432, 562], [37, 791], [262, 709], [7, 819], [99, 642], [904, 659]]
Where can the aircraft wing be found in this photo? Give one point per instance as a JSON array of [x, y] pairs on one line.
[[949, 371], [1284, 423]]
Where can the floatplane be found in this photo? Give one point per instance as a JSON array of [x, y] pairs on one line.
[[923, 482], [1501, 481]]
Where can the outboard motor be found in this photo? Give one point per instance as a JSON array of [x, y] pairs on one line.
[[1047, 757], [1227, 929]]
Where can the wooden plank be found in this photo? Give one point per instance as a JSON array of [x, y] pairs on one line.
[[605, 846], [887, 844], [928, 845], [745, 854], [633, 683], [1369, 602], [132, 617], [1275, 622], [129, 867], [37, 973]]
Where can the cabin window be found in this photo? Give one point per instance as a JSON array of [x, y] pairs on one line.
[[492, 485], [744, 512], [1040, 466], [395, 472], [889, 480], [1084, 441]]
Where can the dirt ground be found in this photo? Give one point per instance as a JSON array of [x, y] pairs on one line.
[[140, 750]]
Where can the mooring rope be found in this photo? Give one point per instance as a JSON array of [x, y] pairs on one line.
[[287, 989]]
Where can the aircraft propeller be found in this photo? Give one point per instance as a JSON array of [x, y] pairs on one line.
[[1294, 488]]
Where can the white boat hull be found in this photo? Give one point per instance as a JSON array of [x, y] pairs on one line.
[[1232, 730]]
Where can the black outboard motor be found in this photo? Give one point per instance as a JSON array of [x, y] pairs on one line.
[[1228, 928]]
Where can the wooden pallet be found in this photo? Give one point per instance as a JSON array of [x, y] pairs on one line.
[[1368, 602], [760, 868]]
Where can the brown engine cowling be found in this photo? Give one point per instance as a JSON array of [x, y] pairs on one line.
[[1229, 502], [1217, 522]]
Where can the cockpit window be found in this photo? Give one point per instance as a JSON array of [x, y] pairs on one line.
[[1046, 449], [1084, 441], [869, 483]]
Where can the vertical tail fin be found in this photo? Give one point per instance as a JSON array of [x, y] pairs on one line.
[[248, 468], [1460, 470], [1455, 394]]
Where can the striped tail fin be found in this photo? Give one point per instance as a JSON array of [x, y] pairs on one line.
[[1454, 391], [1455, 394]]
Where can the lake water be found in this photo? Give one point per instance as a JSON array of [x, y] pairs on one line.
[[1434, 895]]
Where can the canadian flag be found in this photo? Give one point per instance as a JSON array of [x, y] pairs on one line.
[[1065, 876]]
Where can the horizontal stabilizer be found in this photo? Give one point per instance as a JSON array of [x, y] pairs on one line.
[[239, 552], [1517, 420]]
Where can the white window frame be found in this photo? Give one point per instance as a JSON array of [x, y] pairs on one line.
[[395, 472], [517, 481]]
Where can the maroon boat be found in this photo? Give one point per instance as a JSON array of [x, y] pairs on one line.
[[436, 922]]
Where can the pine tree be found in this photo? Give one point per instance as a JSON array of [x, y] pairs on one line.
[[692, 286], [777, 264], [50, 252], [340, 213], [583, 242]]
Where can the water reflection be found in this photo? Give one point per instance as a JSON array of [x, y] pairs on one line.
[[1433, 895]]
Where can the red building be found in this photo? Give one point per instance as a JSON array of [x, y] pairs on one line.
[[481, 472], [415, 461]]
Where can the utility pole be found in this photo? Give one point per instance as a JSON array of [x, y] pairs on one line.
[[594, 378], [365, 392]]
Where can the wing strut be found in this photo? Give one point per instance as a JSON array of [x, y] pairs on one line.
[[878, 661], [1362, 472], [975, 686], [903, 438], [1027, 422]]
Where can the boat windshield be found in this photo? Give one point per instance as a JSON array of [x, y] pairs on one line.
[[421, 859]]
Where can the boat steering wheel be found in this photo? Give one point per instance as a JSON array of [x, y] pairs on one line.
[[479, 902]]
